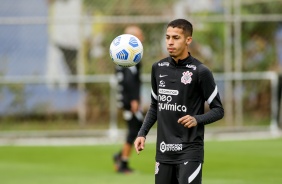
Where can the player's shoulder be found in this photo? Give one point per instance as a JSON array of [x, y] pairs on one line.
[[200, 66], [204, 72]]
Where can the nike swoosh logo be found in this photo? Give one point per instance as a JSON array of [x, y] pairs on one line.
[[163, 76], [185, 163]]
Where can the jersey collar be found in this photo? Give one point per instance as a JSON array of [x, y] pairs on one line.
[[181, 62]]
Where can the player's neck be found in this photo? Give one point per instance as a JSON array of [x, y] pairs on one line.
[[182, 57]]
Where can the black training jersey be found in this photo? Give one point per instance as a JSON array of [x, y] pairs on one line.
[[129, 85], [178, 90]]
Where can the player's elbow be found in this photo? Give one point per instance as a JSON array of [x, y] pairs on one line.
[[220, 112]]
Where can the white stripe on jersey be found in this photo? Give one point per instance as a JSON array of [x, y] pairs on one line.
[[195, 173], [154, 95], [214, 93]]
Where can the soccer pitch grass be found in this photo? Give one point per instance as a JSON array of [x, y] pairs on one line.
[[226, 162]]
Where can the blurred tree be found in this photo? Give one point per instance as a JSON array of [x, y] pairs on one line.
[[258, 38], [128, 7]]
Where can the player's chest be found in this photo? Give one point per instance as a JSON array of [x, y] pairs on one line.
[[176, 78]]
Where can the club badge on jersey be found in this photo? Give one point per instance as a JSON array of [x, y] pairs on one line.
[[186, 78]]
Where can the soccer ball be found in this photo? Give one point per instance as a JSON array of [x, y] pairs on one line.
[[126, 50]]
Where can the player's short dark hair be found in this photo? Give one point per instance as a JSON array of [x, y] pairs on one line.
[[183, 24]]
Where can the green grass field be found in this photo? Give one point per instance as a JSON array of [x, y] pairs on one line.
[[226, 162]]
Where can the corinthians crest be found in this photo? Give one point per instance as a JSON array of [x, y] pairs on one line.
[[186, 78]]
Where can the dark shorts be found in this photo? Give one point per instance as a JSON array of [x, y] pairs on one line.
[[184, 173]]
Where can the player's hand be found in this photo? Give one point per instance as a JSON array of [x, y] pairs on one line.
[[139, 144], [134, 106], [188, 121]]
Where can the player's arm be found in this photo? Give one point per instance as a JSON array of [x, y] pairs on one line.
[[150, 118], [211, 95], [149, 121], [133, 85]]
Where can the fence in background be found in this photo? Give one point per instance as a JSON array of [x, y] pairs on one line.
[[252, 77], [51, 45]]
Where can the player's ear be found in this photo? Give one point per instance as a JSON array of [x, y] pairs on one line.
[[188, 40]]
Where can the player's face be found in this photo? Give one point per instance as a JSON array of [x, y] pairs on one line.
[[177, 43]]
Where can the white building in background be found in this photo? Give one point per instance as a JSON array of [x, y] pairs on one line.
[[64, 40], [27, 50]]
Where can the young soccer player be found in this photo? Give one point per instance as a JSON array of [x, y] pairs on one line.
[[181, 85]]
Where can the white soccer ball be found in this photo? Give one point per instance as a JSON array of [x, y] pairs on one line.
[[126, 50]]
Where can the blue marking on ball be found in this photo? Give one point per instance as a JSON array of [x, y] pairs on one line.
[[137, 58], [122, 55], [117, 40], [133, 42]]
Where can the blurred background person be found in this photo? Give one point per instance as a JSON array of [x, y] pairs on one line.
[[129, 89]]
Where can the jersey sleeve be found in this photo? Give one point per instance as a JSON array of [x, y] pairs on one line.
[[132, 83], [210, 93], [151, 115]]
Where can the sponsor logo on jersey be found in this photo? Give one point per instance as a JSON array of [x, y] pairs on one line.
[[186, 77], [162, 83], [172, 107], [191, 66], [157, 167], [164, 64], [164, 104], [168, 91], [170, 147]]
